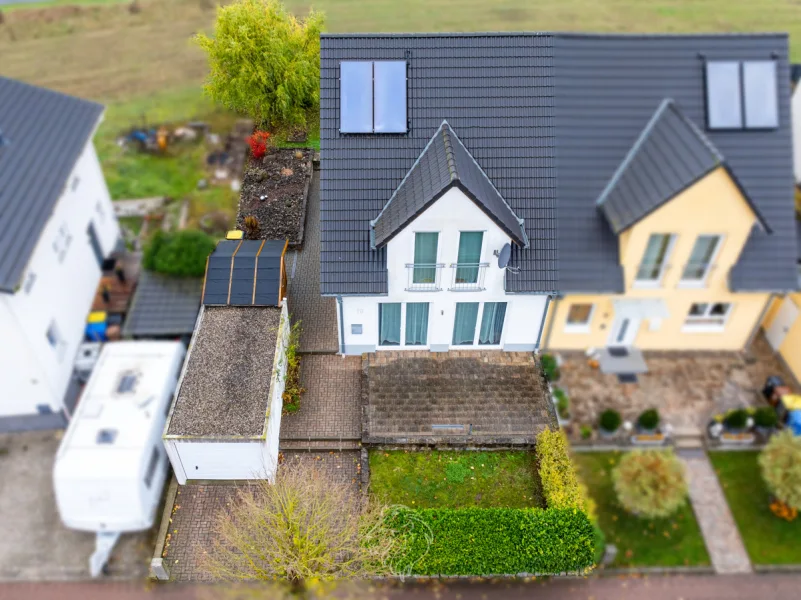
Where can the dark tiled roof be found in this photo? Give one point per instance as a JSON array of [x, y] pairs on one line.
[[606, 88], [455, 78], [798, 238], [163, 306], [45, 133], [795, 73], [549, 118], [669, 155], [444, 163]]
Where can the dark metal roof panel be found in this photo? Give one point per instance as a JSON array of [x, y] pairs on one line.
[[45, 133], [163, 306], [669, 155], [496, 91], [244, 273], [606, 88]]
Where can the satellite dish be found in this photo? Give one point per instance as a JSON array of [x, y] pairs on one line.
[[504, 255]]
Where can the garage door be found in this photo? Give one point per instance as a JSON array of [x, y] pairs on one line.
[[224, 461]]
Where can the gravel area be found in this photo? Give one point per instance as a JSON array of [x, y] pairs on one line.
[[226, 387], [273, 190]]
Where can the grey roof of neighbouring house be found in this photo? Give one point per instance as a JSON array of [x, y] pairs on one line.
[[163, 306], [45, 133], [443, 164], [550, 118]]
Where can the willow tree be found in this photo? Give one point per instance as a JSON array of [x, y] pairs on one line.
[[264, 62]]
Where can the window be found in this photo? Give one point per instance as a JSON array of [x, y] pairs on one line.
[[29, 281], [75, 182], [127, 382], [389, 324], [469, 257], [150, 473], [707, 316], [62, 242], [654, 261], [425, 257], [464, 324], [100, 212], [106, 436], [579, 317], [492, 323], [372, 96], [701, 257], [742, 95], [55, 340], [416, 323]]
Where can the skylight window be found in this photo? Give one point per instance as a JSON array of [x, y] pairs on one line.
[[373, 97], [759, 90], [742, 95], [127, 383]]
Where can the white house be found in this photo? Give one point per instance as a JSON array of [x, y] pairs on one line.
[[57, 225], [795, 114]]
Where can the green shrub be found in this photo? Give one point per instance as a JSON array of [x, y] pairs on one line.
[[562, 402], [610, 420], [492, 541], [550, 367], [650, 483], [180, 253], [765, 416], [292, 387], [649, 419], [736, 419], [586, 432], [780, 463], [560, 486]]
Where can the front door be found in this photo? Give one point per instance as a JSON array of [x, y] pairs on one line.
[[624, 331], [784, 319]]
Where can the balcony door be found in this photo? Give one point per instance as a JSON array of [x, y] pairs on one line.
[[425, 257], [469, 257]]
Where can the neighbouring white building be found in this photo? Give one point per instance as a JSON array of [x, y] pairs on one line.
[[795, 114], [57, 225]]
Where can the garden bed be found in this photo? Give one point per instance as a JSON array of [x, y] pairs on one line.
[[767, 538], [275, 191], [670, 542], [455, 479]]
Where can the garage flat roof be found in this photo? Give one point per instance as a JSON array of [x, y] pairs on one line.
[[226, 386]]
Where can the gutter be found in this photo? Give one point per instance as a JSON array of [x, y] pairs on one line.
[[542, 323], [341, 326], [556, 300]]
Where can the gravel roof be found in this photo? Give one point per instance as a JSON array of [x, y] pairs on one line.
[[226, 387]]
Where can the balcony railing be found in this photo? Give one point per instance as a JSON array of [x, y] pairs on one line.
[[423, 277], [696, 272], [468, 277]]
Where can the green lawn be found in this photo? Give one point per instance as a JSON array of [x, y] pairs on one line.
[[768, 539], [453, 479], [671, 542]]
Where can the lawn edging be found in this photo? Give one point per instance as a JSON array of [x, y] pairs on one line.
[[768, 569]]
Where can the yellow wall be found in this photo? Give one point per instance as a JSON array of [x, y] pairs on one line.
[[713, 205], [790, 349]]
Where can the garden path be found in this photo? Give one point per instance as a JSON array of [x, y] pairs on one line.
[[723, 541]]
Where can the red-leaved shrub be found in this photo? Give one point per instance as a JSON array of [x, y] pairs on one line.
[[259, 142]]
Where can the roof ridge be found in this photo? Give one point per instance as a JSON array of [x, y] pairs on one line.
[[449, 155]]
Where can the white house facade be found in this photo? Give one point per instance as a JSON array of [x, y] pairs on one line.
[[50, 287], [446, 290]]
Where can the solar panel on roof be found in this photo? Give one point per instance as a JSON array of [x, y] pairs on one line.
[[356, 97], [246, 273], [760, 93], [218, 277], [390, 96], [723, 104]]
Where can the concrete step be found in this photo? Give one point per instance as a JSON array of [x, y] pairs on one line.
[[687, 443]]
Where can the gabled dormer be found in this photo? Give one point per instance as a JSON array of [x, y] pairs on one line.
[[680, 214]]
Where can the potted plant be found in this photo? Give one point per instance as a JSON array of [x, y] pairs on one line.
[[550, 367], [736, 421], [765, 420], [648, 421], [586, 432], [562, 403], [609, 423]]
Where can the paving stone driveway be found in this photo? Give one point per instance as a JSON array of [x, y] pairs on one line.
[[686, 387], [317, 314], [192, 529]]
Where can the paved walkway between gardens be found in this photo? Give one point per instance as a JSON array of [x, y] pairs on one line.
[[723, 541], [317, 315]]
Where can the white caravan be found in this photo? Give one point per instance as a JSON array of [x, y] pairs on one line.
[[111, 466]]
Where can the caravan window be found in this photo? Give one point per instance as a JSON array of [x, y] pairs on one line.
[[151, 468], [127, 382]]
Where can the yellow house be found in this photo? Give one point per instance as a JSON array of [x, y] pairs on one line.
[[682, 220]]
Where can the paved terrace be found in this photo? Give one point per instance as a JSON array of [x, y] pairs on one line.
[[459, 397], [687, 387]]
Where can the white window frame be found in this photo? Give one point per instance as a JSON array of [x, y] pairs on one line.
[[655, 283], [579, 327], [692, 326], [402, 335], [475, 345], [403, 325], [702, 282]]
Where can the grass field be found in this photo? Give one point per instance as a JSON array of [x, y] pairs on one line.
[[449, 479], [671, 542], [768, 539]]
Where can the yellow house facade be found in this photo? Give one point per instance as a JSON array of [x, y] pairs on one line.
[[676, 252]]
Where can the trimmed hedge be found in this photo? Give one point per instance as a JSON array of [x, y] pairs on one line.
[[493, 541], [179, 253], [560, 485]]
